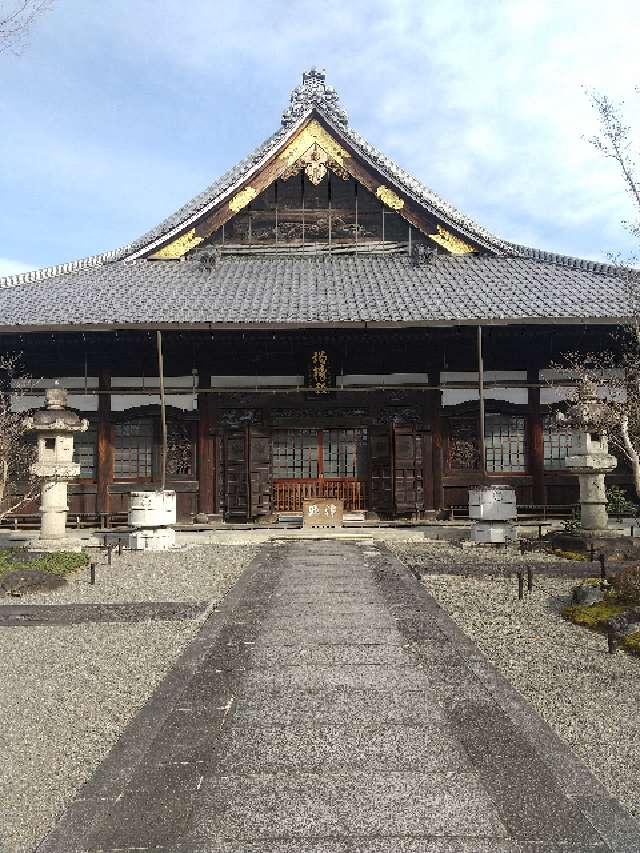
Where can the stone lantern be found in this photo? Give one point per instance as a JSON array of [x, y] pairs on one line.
[[589, 456], [54, 427]]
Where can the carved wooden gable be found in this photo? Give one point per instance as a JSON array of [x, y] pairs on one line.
[[314, 189]]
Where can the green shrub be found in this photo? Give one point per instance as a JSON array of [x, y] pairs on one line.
[[618, 503], [60, 563], [627, 585], [569, 555], [631, 643], [593, 615], [572, 525]]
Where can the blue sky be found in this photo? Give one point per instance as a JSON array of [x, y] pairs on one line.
[[118, 111]]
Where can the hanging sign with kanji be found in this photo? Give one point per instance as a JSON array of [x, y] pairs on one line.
[[319, 379]]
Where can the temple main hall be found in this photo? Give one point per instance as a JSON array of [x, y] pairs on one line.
[[330, 327]]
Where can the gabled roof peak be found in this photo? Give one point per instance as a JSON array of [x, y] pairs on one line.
[[314, 92]]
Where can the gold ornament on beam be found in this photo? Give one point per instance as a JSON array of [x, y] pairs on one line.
[[389, 198], [313, 134], [242, 199], [179, 247], [316, 162], [450, 242]]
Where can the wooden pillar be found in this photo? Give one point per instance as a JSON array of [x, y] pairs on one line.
[[206, 451], [536, 438], [436, 442], [482, 447], [104, 462], [427, 453]]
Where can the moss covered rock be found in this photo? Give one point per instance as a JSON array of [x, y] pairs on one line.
[[631, 643], [593, 616], [588, 592]]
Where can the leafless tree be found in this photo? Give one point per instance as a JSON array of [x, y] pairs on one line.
[[615, 374], [616, 371], [17, 484], [16, 20], [616, 142]]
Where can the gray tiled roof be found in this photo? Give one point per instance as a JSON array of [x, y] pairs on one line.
[[297, 290], [312, 95]]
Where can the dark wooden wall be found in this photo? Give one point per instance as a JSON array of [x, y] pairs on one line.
[[231, 431]]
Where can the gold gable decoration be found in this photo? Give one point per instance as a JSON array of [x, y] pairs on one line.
[[315, 151], [450, 242], [242, 199], [316, 163], [313, 134], [179, 247], [389, 198]]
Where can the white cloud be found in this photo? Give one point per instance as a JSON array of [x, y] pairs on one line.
[[483, 102], [11, 267]]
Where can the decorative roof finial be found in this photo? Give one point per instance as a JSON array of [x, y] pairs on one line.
[[314, 93]]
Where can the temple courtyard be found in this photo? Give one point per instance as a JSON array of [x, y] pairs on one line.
[[316, 695]]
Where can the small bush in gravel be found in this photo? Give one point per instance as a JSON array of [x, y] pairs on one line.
[[627, 584], [618, 503], [569, 555], [593, 615], [631, 643], [572, 525], [61, 563]]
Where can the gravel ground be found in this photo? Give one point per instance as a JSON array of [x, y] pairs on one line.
[[466, 558], [191, 573], [68, 691], [590, 698]]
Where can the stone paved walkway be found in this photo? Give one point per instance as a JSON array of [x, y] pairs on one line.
[[330, 706]]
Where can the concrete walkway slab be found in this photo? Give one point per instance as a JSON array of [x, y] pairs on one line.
[[330, 706], [326, 805]]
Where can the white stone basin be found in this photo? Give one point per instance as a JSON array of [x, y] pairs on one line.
[[492, 503], [152, 509]]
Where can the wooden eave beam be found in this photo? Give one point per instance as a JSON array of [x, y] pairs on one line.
[[306, 326]]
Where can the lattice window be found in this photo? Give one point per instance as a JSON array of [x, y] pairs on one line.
[[133, 449], [463, 446], [311, 453], [295, 453], [344, 452], [557, 443], [506, 443], [85, 451], [180, 457]]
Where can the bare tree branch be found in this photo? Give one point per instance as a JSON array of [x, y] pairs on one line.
[[615, 142], [16, 20], [616, 373], [17, 484]]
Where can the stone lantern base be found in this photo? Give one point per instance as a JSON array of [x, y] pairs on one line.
[[50, 546]]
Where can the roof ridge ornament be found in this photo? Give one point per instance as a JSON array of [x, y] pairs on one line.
[[314, 92]]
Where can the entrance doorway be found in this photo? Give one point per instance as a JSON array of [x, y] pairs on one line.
[[319, 463]]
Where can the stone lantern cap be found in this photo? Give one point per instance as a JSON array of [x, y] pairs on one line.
[[55, 417], [56, 398], [590, 420], [588, 412]]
